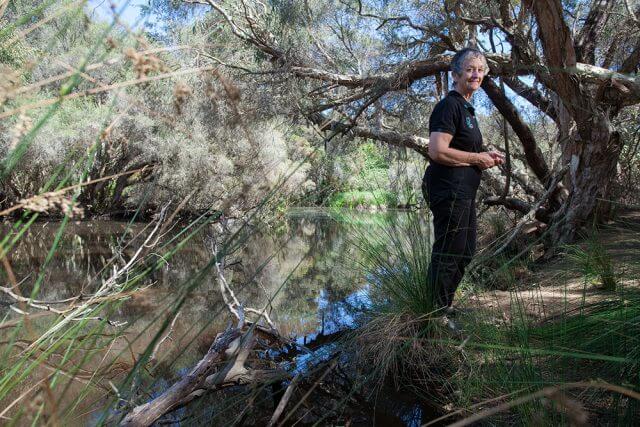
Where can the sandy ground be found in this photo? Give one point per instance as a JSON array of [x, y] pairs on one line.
[[560, 286]]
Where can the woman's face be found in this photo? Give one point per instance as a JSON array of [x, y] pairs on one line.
[[470, 80]]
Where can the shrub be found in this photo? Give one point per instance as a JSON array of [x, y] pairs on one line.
[[371, 156], [400, 338], [201, 139], [395, 258], [595, 261], [353, 199]]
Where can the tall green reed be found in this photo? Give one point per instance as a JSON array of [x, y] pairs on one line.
[[589, 343], [394, 256]]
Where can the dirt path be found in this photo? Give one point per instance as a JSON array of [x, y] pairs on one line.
[[561, 286]]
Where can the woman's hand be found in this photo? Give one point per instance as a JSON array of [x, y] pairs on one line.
[[486, 159], [441, 152], [497, 156]]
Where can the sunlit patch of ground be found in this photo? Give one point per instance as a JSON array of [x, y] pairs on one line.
[[560, 286]]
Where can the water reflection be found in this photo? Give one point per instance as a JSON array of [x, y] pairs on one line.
[[306, 271]]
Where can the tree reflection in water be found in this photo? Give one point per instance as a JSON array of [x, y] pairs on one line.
[[306, 269]]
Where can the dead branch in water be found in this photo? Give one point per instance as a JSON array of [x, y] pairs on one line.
[[234, 345], [167, 335], [229, 297], [283, 402], [82, 309]]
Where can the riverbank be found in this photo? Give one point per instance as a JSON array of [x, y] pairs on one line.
[[361, 351], [557, 347], [571, 280]]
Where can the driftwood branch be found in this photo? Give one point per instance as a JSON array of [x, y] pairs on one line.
[[283, 402], [232, 345], [182, 391]]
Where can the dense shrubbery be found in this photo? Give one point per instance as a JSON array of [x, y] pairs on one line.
[[360, 199], [205, 136], [199, 136], [374, 175]]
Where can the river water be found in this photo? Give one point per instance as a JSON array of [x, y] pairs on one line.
[[306, 270]]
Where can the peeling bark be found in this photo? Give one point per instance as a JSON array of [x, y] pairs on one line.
[[592, 170]]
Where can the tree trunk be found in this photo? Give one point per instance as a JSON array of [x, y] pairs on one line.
[[592, 154]]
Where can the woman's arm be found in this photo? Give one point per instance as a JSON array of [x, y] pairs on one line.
[[440, 152]]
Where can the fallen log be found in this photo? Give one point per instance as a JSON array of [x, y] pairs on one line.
[[232, 345], [175, 396]]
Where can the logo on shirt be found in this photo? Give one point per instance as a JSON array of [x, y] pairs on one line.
[[469, 122]]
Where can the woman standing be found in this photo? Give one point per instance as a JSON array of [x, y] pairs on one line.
[[453, 176]]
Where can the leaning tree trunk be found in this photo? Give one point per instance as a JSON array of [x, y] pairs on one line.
[[592, 154]]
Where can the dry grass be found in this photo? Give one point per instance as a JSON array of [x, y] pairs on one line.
[[413, 352]]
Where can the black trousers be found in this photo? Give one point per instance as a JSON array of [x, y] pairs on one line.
[[455, 229]]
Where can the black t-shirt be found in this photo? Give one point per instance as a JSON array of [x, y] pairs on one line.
[[455, 116]]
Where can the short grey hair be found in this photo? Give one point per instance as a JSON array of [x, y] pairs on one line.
[[461, 56]]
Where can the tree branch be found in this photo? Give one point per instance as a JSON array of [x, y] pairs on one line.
[[416, 143], [534, 96], [533, 154], [630, 64], [533, 212], [563, 68], [386, 19], [597, 17], [510, 203], [559, 52]]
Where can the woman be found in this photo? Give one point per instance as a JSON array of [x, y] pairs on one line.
[[453, 176]]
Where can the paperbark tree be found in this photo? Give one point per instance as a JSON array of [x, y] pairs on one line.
[[368, 68]]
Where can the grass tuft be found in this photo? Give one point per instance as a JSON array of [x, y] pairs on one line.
[[596, 263], [395, 259]]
